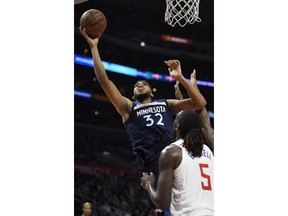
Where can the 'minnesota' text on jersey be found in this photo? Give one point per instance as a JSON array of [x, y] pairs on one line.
[[149, 128]]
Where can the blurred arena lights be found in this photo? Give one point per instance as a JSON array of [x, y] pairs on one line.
[[90, 95], [129, 71], [83, 94], [176, 39]]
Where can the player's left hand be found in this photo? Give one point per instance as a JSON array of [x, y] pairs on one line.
[[174, 68]]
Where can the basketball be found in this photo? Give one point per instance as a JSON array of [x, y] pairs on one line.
[[94, 22]]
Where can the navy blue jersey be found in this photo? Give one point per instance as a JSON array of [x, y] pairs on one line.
[[149, 128]]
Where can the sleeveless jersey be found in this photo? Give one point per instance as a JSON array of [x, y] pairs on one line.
[[193, 188], [149, 128]]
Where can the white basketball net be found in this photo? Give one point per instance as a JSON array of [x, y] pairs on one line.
[[182, 12]]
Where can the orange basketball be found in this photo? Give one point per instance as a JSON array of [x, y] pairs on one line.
[[94, 22]]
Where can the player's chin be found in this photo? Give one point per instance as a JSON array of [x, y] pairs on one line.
[[142, 96]]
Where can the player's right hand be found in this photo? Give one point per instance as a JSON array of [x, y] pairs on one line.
[[147, 179]]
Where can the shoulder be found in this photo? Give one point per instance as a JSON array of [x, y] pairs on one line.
[[170, 149], [134, 103], [207, 149], [171, 156], [160, 101]]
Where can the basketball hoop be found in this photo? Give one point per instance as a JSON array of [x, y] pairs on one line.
[[182, 12]]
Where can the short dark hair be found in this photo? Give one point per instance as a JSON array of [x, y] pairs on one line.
[[145, 81], [190, 125]]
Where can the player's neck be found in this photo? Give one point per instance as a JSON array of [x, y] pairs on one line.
[[146, 101]]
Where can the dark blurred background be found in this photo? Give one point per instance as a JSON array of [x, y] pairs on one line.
[[105, 171]]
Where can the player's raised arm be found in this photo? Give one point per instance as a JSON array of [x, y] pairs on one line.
[[122, 104], [178, 93], [207, 129], [196, 100]]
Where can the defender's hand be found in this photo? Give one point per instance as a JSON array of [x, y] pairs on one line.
[[147, 179], [178, 93]]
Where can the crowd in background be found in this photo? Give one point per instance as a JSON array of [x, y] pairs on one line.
[[110, 190]]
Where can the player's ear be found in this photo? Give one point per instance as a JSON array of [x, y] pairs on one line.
[[152, 92]]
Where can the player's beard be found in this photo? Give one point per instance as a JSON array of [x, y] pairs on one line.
[[142, 97]]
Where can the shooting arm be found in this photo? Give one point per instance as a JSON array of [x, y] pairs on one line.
[[122, 104]]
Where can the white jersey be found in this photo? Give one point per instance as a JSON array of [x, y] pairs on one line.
[[193, 188]]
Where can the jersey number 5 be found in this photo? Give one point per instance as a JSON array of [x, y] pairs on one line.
[[208, 186]]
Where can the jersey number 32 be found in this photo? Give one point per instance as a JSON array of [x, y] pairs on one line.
[[150, 121]]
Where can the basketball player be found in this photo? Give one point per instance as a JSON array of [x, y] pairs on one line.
[[148, 122], [87, 208], [186, 170], [207, 129]]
